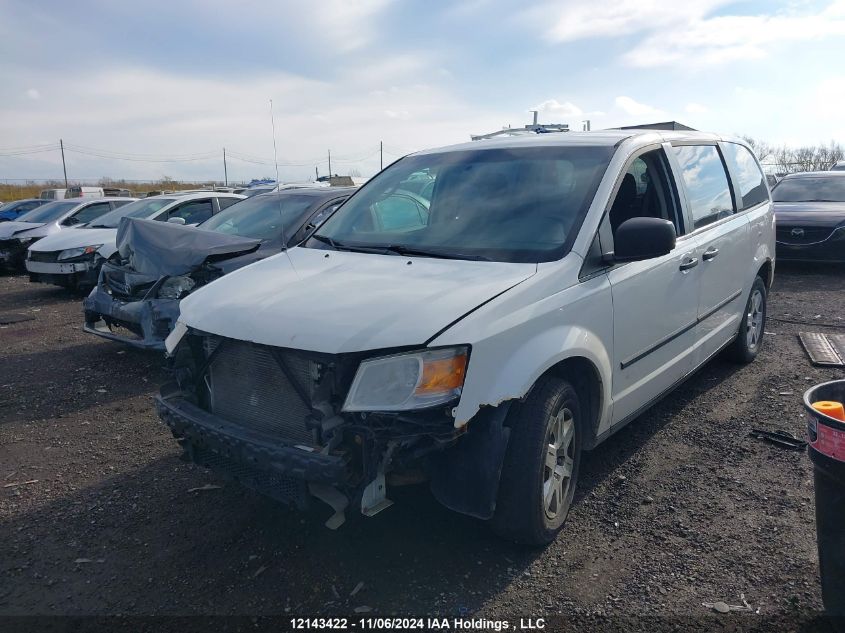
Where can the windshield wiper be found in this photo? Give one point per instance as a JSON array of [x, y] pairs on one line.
[[401, 249]]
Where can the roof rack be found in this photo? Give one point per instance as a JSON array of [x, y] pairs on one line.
[[533, 128]]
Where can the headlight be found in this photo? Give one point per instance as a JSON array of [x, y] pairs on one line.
[[71, 253], [414, 380], [176, 287]]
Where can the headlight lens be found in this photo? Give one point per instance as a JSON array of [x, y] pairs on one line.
[[176, 287], [71, 253], [414, 380]]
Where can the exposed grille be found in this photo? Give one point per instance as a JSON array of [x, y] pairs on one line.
[[121, 287], [249, 388], [802, 235], [279, 487], [43, 256], [9, 244]]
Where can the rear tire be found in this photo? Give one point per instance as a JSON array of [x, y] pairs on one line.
[[749, 339], [541, 464]]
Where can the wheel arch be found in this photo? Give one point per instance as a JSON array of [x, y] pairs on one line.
[[586, 378], [767, 273]]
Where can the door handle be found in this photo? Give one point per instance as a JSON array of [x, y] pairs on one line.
[[709, 254], [687, 264]]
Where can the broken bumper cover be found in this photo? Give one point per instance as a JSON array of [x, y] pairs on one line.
[[147, 321], [271, 468], [62, 274]]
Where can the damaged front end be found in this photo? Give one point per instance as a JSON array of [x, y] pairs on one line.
[[157, 264], [286, 423], [136, 308]]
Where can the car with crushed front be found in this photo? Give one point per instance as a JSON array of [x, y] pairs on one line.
[[136, 300], [549, 290], [73, 259]]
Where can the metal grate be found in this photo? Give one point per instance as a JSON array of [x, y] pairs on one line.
[[824, 349], [50, 257], [279, 487], [249, 388], [802, 235]]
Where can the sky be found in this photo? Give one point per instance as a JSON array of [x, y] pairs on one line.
[[157, 88]]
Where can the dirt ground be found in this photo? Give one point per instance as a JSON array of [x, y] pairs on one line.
[[98, 516]]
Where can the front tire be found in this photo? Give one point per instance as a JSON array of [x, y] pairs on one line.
[[749, 339], [541, 464]]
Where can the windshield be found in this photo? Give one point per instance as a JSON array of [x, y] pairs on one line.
[[810, 189], [139, 209], [262, 217], [49, 212], [514, 204]]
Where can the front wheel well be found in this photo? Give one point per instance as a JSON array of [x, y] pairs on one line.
[[766, 273], [585, 377]]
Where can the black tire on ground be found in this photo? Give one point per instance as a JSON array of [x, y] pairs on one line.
[[749, 339], [523, 510]]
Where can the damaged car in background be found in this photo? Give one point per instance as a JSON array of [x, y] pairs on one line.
[[479, 332], [72, 259], [51, 218], [136, 300]]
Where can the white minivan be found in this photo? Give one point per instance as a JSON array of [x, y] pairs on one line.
[[480, 332]]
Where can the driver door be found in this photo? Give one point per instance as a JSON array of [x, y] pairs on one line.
[[655, 301]]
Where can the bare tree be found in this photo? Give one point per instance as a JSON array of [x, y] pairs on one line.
[[788, 160]]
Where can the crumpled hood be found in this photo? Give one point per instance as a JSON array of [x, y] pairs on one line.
[[809, 213], [76, 237], [163, 249], [338, 301], [17, 229]]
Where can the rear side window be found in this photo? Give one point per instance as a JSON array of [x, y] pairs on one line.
[[706, 183], [750, 180]]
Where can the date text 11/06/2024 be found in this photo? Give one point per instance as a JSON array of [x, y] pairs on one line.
[[422, 624]]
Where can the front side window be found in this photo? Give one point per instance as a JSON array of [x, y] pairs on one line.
[[645, 192], [192, 212], [750, 179], [522, 204], [91, 212], [706, 181], [225, 203]]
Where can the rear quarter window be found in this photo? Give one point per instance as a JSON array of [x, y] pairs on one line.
[[750, 179]]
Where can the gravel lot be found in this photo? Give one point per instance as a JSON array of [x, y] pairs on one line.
[[99, 516]]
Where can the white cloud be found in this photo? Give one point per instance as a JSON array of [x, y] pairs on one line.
[[146, 111], [722, 39], [696, 108], [636, 109], [348, 24], [575, 20], [33, 94], [556, 108]]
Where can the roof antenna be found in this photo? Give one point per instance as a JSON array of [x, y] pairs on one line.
[[275, 157], [281, 215]]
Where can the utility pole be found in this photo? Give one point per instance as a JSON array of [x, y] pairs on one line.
[[64, 167], [330, 163], [225, 170], [380, 155]]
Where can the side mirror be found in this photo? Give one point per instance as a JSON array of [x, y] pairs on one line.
[[176, 220], [637, 239]]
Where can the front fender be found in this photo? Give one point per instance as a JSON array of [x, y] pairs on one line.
[[515, 341]]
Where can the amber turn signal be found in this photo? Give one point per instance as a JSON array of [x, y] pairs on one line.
[[444, 374]]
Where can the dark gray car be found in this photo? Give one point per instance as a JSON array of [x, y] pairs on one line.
[[136, 300]]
